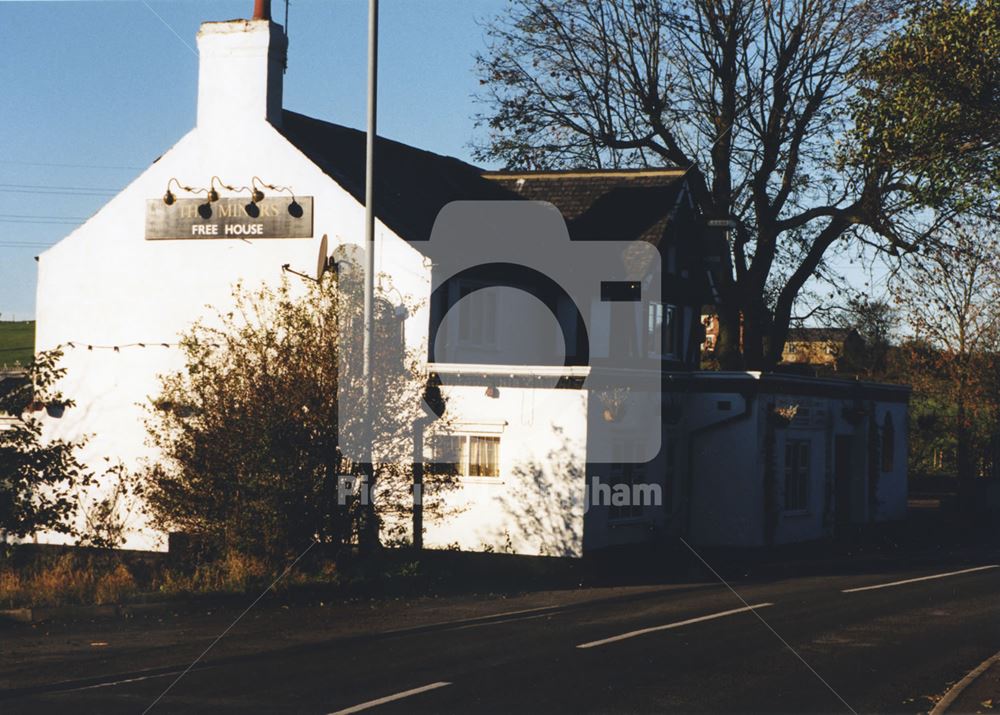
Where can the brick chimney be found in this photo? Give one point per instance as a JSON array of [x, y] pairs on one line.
[[242, 63]]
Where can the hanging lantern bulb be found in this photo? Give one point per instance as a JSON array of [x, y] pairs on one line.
[[257, 195], [169, 198]]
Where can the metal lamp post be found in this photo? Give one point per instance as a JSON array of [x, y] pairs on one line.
[[370, 528]]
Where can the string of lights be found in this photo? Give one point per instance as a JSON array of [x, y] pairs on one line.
[[81, 345], [78, 344]]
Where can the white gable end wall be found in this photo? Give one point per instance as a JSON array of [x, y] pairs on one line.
[[104, 284]]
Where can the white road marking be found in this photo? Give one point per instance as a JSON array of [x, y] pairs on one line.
[[118, 682], [944, 703], [922, 578], [678, 624], [390, 698], [463, 621], [509, 620]]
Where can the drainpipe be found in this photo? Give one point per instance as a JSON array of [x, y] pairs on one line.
[[433, 405], [419, 425], [748, 396]]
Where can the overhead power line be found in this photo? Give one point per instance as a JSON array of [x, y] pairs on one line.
[[67, 218], [38, 192], [36, 221], [70, 166], [170, 27], [41, 187]]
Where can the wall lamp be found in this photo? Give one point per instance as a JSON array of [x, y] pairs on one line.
[[256, 189], [401, 312], [255, 193], [213, 194], [293, 208], [170, 197]]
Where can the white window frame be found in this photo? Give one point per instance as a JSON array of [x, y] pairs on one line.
[[624, 470], [463, 465], [800, 470]]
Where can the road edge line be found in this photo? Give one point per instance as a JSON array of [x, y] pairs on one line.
[[958, 688], [932, 577], [675, 624], [391, 698]]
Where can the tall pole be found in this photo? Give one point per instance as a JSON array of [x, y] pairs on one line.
[[370, 533]]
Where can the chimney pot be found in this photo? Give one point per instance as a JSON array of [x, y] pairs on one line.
[[262, 10]]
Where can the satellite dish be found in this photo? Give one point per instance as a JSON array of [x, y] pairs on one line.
[[322, 262]]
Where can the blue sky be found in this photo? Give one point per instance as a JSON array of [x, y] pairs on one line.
[[95, 91]]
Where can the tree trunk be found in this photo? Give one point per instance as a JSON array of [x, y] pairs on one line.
[[966, 484], [728, 347], [756, 334], [368, 537]]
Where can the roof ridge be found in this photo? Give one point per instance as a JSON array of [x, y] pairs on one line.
[[384, 138], [582, 173]]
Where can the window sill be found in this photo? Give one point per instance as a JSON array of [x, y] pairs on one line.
[[480, 480]]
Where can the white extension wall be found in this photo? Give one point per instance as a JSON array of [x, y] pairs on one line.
[[730, 452], [536, 505]]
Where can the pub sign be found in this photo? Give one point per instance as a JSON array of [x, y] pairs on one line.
[[230, 217]]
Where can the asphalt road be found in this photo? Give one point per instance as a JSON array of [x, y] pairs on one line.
[[816, 648]]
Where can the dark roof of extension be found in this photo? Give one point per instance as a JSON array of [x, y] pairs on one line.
[[412, 185], [616, 204]]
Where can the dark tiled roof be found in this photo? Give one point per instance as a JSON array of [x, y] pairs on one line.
[[604, 205], [816, 335], [411, 185]]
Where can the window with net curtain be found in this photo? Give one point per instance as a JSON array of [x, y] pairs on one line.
[[467, 455]]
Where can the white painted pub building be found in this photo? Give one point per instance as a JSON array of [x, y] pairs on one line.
[[745, 459]]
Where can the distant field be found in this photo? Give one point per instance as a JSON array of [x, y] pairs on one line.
[[17, 342]]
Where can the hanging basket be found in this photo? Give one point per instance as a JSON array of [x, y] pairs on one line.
[[613, 403], [783, 416]]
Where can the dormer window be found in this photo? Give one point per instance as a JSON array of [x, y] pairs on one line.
[[477, 316], [661, 331]]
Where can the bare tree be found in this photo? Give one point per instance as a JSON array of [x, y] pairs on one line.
[[876, 323], [751, 96], [950, 299]]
